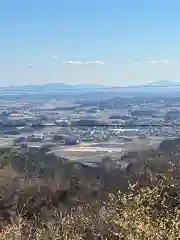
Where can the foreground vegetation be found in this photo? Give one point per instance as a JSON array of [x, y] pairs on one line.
[[65, 202], [150, 212]]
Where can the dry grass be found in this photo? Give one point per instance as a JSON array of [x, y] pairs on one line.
[[151, 212], [148, 210]]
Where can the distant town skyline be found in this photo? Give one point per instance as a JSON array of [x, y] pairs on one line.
[[96, 42]]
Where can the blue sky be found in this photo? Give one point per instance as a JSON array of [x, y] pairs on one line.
[[48, 40]]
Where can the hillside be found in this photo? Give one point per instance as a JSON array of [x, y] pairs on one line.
[[35, 186], [162, 83], [51, 86]]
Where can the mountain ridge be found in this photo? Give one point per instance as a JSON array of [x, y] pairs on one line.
[[61, 85], [49, 86], [163, 83]]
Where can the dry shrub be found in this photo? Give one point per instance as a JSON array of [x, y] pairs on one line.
[[150, 212], [145, 213]]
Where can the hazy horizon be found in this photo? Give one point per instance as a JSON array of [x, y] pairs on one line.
[[153, 84]]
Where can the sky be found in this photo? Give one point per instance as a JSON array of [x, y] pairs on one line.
[[113, 42]]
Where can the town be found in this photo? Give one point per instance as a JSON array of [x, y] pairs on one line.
[[87, 129]]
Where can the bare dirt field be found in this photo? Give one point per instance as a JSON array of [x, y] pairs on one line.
[[94, 152], [6, 142]]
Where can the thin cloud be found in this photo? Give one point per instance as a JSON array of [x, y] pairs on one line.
[[84, 62], [73, 62], [95, 62], [165, 62], [29, 64], [136, 63], [55, 56]]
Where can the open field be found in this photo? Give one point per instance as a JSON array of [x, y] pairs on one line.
[[5, 142], [94, 152]]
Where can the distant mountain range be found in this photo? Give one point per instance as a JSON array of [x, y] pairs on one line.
[[163, 83], [64, 86], [54, 86], [160, 83]]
